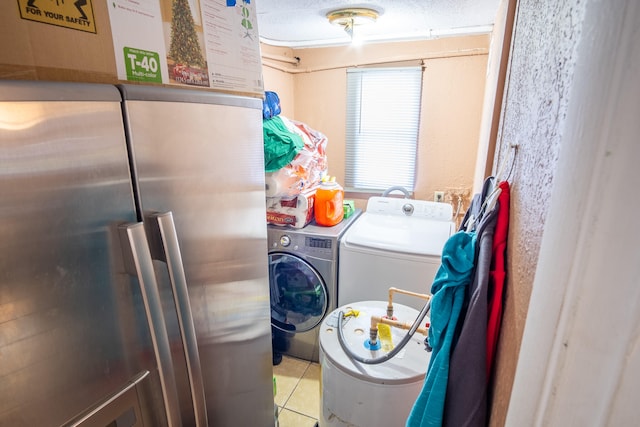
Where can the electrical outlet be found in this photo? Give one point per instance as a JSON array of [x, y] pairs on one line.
[[438, 196]]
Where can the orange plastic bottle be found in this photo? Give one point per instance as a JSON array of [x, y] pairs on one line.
[[328, 210]]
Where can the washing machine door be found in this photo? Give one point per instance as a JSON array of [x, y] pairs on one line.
[[299, 298]]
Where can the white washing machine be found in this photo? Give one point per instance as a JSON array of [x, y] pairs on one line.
[[395, 243], [303, 275]]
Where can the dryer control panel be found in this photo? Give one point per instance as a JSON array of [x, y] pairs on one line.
[[317, 242], [302, 243]]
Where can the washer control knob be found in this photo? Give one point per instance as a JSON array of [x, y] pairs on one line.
[[285, 240], [407, 209]]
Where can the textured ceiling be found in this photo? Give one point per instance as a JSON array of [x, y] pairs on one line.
[[303, 23]]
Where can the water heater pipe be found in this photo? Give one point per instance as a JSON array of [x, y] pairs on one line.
[[393, 290], [395, 323], [396, 349]]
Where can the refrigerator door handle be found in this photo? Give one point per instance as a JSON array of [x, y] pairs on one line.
[[165, 247], [138, 263]]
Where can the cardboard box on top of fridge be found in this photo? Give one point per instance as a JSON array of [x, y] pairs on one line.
[[295, 211], [99, 41], [45, 41]]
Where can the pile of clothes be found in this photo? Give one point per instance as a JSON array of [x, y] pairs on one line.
[[295, 161], [466, 313]]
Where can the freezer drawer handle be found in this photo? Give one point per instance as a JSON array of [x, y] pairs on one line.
[[165, 247], [138, 263]]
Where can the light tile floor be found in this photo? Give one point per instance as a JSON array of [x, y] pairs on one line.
[[297, 392]]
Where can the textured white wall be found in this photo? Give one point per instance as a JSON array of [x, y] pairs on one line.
[[537, 96], [580, 360], [540, 76]]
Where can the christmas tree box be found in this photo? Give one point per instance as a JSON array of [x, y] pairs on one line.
[[115, 41]]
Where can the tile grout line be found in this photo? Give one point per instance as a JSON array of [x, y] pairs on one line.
[[301, 413], [284, 404], [306, 370], [297, 384]]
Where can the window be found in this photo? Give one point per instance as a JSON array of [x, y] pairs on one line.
[[383, 116]]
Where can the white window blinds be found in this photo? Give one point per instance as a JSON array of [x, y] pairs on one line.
[[383, 117]]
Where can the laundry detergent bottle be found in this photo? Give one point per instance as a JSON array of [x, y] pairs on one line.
[[328, 210]]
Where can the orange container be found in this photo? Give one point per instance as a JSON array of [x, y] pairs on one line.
[[328, 210]]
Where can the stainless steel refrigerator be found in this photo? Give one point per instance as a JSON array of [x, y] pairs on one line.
[[133, 270]]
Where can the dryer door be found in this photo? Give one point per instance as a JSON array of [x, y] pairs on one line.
[[299, 297]]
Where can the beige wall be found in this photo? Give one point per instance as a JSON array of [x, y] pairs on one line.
[[452, 96], [280, 82], [313, 91]]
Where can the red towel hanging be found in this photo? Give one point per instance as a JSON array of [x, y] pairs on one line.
[[497, 275]]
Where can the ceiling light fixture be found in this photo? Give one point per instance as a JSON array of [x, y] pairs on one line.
[[352, 17]]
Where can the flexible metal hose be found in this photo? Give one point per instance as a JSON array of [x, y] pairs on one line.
[[384, 358]]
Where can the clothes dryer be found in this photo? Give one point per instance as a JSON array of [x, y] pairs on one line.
[[303, 277], [394, 243]]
